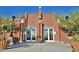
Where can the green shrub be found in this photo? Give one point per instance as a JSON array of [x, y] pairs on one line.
[[76, 37]]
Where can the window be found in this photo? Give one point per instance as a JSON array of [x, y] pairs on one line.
[[51, 34], [31, 34], [46, 34], [28, 34]]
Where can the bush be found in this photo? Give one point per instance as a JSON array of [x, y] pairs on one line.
[[76, 37]]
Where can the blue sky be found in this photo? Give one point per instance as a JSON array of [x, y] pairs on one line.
[[8, 11]]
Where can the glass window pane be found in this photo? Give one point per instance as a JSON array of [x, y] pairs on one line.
[[51, 34], [46, 34], [33, 34], [28, 34]]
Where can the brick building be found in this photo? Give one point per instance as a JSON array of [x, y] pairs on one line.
[[41, 27]]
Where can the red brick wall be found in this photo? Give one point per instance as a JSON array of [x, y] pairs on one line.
[[64, 36], [33, 20], [49, 21]]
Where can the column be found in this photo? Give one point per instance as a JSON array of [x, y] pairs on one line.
[[40, 32]]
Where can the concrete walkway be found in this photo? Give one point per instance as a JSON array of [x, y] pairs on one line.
[[39, 47]]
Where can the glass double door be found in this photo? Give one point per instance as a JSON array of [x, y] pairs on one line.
[[48, 35], [31, 35]]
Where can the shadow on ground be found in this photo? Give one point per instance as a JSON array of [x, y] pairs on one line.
[[17, 45]]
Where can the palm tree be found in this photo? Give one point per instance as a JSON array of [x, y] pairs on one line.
[[75, 18], [66, 23], [7, 22], [71, 24], [1, 22], [70, 27]]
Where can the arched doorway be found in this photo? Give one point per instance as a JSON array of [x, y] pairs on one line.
[[30, 35]]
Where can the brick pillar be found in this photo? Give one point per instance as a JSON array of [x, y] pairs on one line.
[[40, 32], [21, 34]]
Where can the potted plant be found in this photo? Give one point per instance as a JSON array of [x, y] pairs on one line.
[[75, 42], [3, 43]]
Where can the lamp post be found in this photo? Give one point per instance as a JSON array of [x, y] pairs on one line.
[[67, 18], [12, 26], [69, 32]]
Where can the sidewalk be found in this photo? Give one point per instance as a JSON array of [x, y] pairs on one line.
[[39, 47]]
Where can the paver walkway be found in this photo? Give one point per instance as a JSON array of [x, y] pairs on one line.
[[39, 47]]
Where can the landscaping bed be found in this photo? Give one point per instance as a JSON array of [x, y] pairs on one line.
[[75, 45], [4, 44], [15, 40]]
